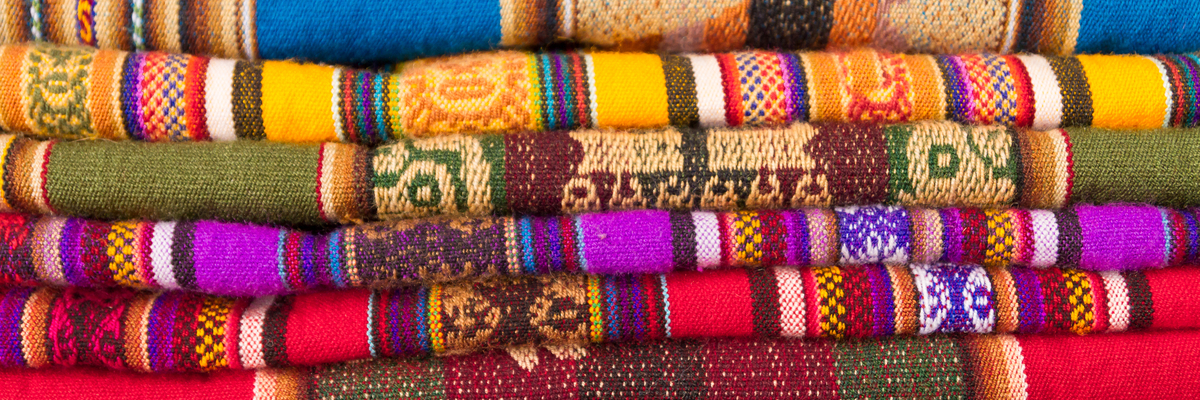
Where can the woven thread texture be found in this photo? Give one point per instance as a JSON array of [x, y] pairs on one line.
[[181, 331], [84, 93], [240, 259]]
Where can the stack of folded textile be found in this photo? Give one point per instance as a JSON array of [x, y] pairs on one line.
[[719, 199]]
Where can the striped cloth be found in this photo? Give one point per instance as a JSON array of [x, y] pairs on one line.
[[800, 165], [83, 93], [252, 260], [182, 331], [1158, 365], [383, 30]]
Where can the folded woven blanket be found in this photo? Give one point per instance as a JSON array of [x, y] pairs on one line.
[[927, 164], [78, 92], [179, 331], [383, 30], [249, 260], [1158, 365]]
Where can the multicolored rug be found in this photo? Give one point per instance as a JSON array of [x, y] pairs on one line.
[[383, 30], [183, 331], [800, 165], [1160, 365], [251, 260], [84, 93]]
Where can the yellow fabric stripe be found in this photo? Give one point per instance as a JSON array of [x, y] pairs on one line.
[[631, 90], [1127, 91], [296, 102]]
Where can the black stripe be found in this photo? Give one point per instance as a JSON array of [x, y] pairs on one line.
[[789, 24], [694, 148], [549, 26], [247, 100], [683, 240], [1141, 300], [1076, 92], [274, 332], [1031, 20], [1070, 241], [681, 91], [181, 255], [764, 296]]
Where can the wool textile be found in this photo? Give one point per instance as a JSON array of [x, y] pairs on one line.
[[931, 164], [84, 93], [252, 260], [185, 331], [389, 30], [1158, 365], [266, 182], [800, 165]]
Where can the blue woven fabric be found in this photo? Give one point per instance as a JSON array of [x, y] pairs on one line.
[[1137, 26], [374, 31]]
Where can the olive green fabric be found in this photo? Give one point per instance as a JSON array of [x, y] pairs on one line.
[[241, 181], [1160, 167]]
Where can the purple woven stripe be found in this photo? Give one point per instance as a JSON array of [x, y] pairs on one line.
[[1121, 237], [11, 307], [952, 239], [628, 242], [160, 331], [250, 270], [881, 297], [1030, 311]]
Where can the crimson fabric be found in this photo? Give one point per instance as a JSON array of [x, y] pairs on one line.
[[1159, 365], [187, 331]]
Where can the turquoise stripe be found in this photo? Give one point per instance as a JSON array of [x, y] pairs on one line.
[[335, 261], [1166, 222], [279, 258], [381, 111], [662, 280], [527, 259], [370, 325], [579, 253]]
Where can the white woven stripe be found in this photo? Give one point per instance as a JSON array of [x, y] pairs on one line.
[[934, 297], [218, 99], [161, 240], [35, 177], [1010, 29], [1014, 368], [1047, 97], [333, 93], [266, 384], [1045, 238], [1062, 175], [791, 301], [1118, 301], [567, 13], [710, 94], [328, 164], [250, 45], [708, 239], [1166, 78], [250, 336], [591, 75]]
